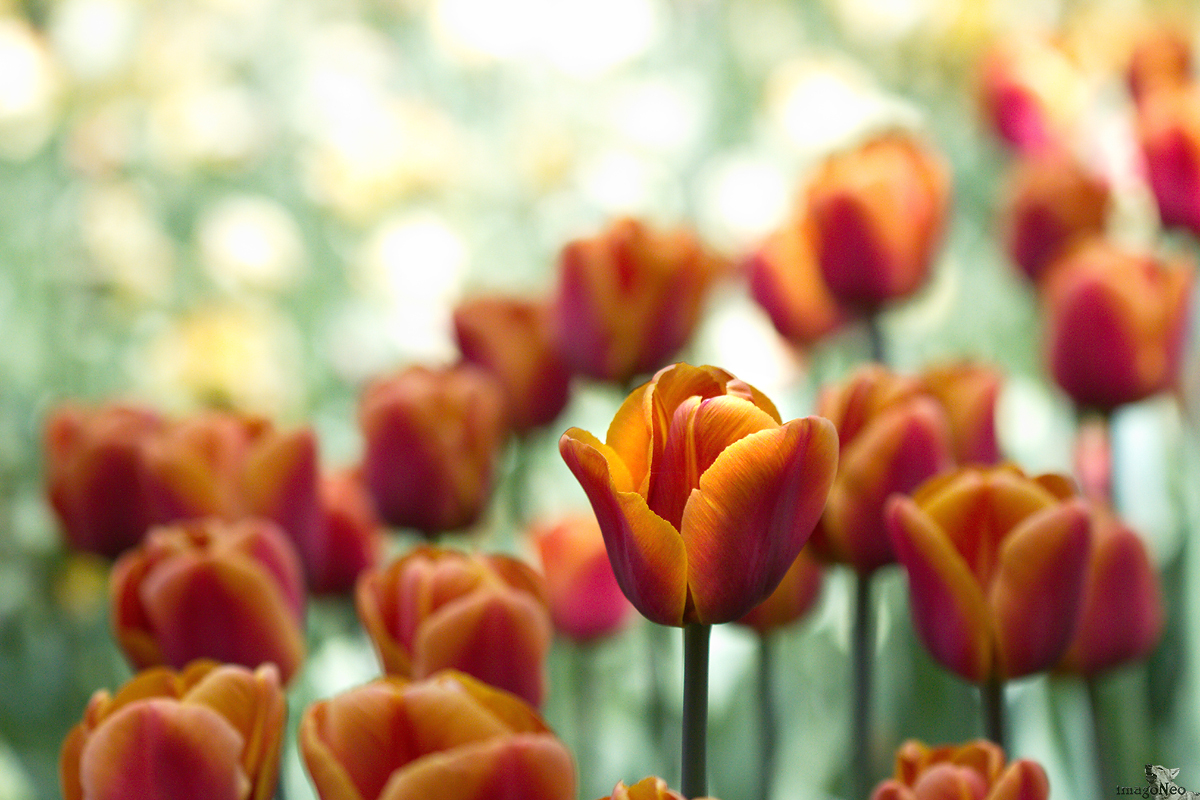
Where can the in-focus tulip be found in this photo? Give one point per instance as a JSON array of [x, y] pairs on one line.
[[449, 737], [892, 436], [795, 596], [432, 438], [1030, 91], [1052, 204], [436, 608], [585, 601], [94, 474], [704, 497], [1161, 59], [876, 215], [351, 535], [1169, 131], [1115, 324], [231, 592], [969, 393], [511, 338], [629, 298], [996, 564], [1122, 615], [785, 279], [972, 771], [210, 732], [651, 788]]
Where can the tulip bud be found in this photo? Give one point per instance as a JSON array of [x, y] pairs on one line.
[[786, 281], [1115, 324], [972, 771], [629, 298], [795, 596], [351, 534], [432, 441], [969, 393], [511, 338], [449, 737], [438, 609], [231, 592], [1030, 91], [704, 497], [209, 732], [651, 788], [1169, 131], [585, 601], [94, 475]]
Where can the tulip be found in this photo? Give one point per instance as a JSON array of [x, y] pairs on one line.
[[351, 534], [704, 497], [94, 475], [585, 601], [651, 788], [232, 592], [795, 596], [1030, 89], [449, 737], [436, 609], [969, 393], [892, 436], [432, 441], [972, 771], [1052, 204], [876, 215], [996, 564], [1169, 132], [1115, 324], [511, 338], [786, 281], [1161, 59], [1122, 613], [629, 298], [209, 732]]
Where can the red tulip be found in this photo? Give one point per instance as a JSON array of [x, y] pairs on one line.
[[439, 609], [585, 601], [795, 596], [1169, 130], [973, 771], [449, 737], [996, 566], [629, 298], [651, 788], [350, 539], [704, 497], [210, 732], [432, 441], [969, 393], [1029, 91], [786, 281], [232, 592]]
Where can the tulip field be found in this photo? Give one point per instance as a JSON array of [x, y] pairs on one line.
[[645, 400]]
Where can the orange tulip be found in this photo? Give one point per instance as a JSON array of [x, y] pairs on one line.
[[786, 281], [511, 338], [585, 601], [436, 609], [1161, 59], [432, 441], [1169, 131], [1122, 615], [876, 215], [351, 534], [892, 435], [969, 393], [651, 788], [629, 298], [1030, 90], [973, 771], [704, 497], [795, 596], [94, 474], [210, 732], [232, 592], [1115, 324], [996, 566], [450, 737]]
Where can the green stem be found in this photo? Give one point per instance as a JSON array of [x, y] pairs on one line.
[[656, 703], [1101, 748], [584, 679], [992, 695], [694, 780], [768, 727], [861, 651], [875, 338]]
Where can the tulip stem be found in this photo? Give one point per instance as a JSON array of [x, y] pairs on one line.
[[861, 650], [1100, 743], [875, 339], [694, 775], [585, 709], [768, 726], [992, 695]]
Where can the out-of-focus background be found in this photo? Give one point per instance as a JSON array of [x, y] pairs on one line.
[[263, 203]]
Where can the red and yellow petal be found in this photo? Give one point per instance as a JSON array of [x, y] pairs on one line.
[[353, 742], [522, 767], [1023, 780]]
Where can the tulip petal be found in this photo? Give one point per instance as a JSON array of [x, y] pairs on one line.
[[629, 435], [163, 750], [279, 482], [1038, 589], [755, 509], [353, 742], [522, 767], [950, 782], [892, 790], [949, 610], [1023, 780], [646, 552]]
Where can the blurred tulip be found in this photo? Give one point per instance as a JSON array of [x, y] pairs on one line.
[[511, 338], [436, 609], [95, 459], [795, 596], [1122, 615], [210, 732], [232, 592], [351, 534], [972, 771], [892, 435], [651, 788], [1169, 131], [432, 441], [1161, 59], [1052, 204], [450, 737], [704, 497], [1030, 91], [786, 281], [1115, 324], [585, 601], [629, 298], [996, 566], [876, 215], [969, 393]]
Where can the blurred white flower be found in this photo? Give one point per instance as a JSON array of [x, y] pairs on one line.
[[250, 242], [95, 39], [207, 124], [127, 246], [29, 90]]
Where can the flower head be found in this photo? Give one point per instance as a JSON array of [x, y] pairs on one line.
[[972, 771]]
